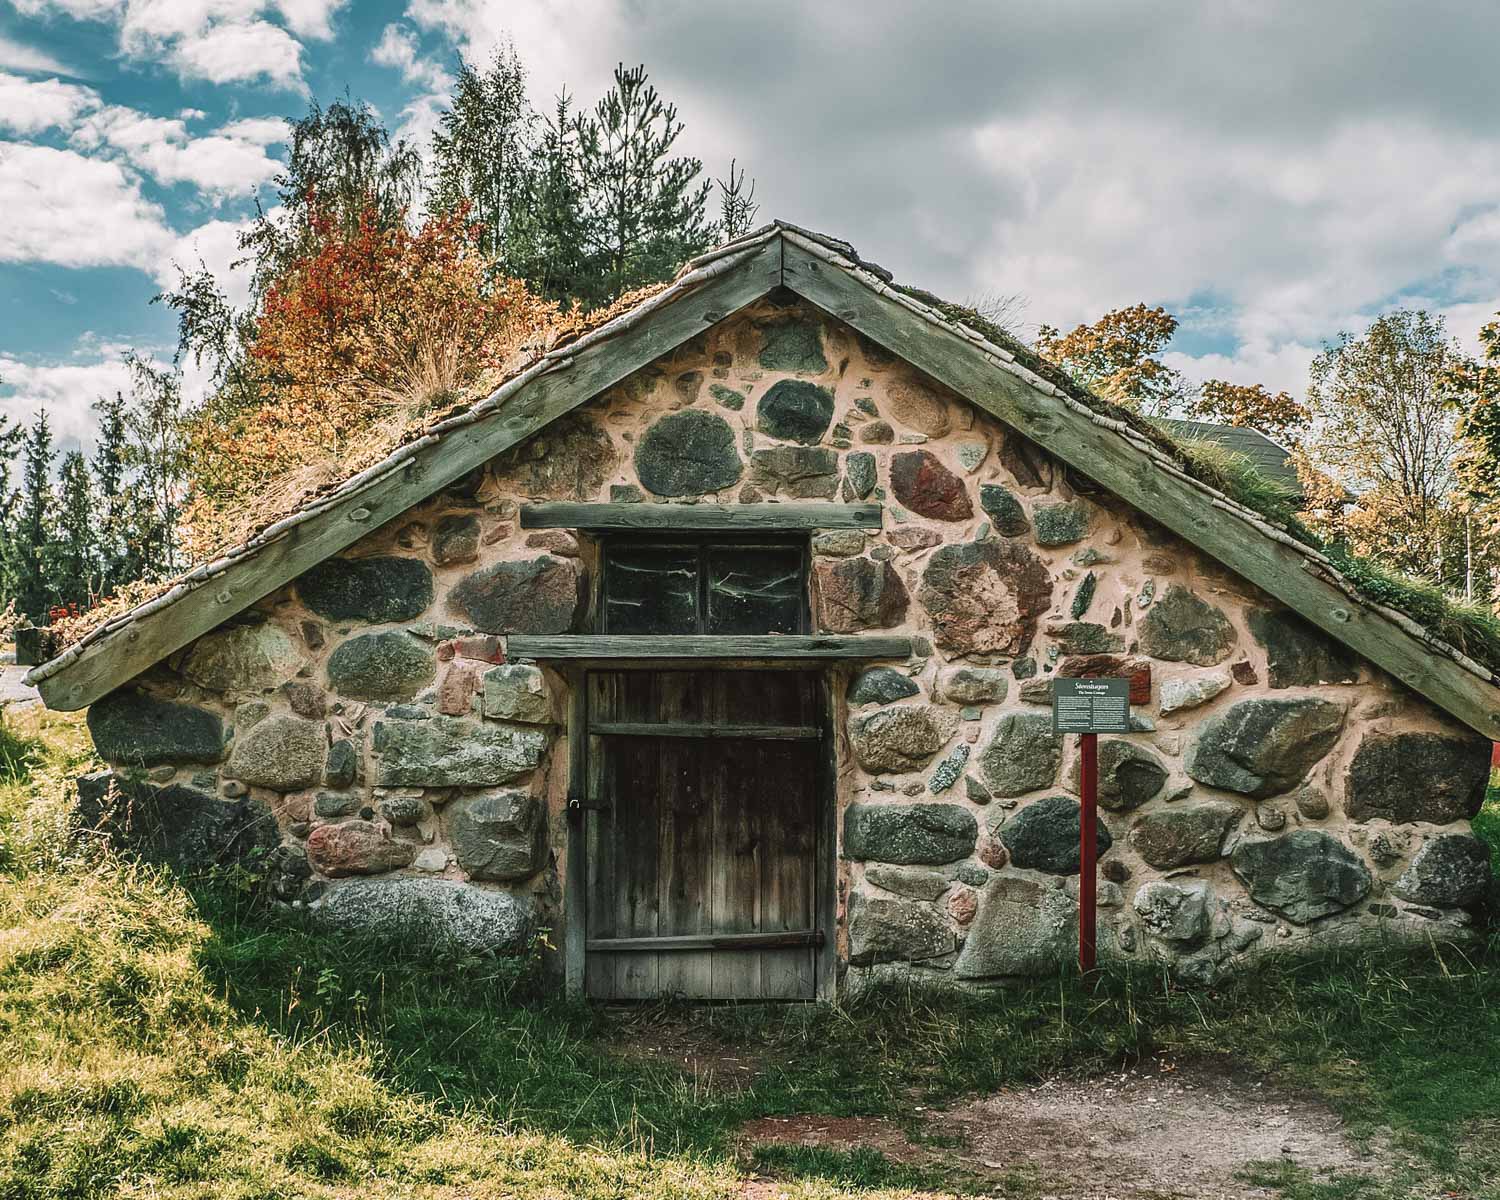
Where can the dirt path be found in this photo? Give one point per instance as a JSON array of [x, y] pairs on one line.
[[12, 690], [1156, 1133], [1179, 1133]]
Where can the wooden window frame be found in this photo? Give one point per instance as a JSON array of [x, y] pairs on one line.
[[703, 544]]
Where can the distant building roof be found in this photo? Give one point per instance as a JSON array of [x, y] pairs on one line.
[[1271, 459]]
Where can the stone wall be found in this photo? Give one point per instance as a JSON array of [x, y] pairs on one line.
[[364, 729]]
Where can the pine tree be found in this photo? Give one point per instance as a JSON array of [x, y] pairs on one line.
[[156, 453], [110, 454], [645, 210], [73, 554], [737, 207], [484, 155], [33, 529], [10, 440], [549, 256]]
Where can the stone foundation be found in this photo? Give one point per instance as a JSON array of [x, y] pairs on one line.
[[364, 732]]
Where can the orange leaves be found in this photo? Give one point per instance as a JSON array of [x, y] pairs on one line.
[[1116, 356], [1281, 417], [373, 327]]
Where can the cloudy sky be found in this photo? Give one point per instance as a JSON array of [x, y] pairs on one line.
[[1272, 172]]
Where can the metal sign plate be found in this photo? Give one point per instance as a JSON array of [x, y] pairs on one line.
[[1091, 706]]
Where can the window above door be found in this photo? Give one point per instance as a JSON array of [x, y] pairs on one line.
[[720, 586]]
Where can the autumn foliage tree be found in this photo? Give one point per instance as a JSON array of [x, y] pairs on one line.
[[1119, 357], [1472, 386], [374, 327], [1280, 415], [1383, 428]]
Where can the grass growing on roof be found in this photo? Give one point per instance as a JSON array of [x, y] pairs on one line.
[[1468, 627], [1472, 628], [1237, 477], [173, 1038]]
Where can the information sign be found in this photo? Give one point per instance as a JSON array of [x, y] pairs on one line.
[[1091, 706]]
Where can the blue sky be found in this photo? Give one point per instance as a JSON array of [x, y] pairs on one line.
[[1272, 172]]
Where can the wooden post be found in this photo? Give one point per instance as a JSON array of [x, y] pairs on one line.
[[1088, 853]]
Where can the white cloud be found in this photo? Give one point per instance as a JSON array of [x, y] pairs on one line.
[[16, 57], [239, 53], [67, 390], [221, 41], [30, 107], [161, 20], [216, 247], [64, 208], [1295, 235], [1296, 238], [230, 162], [576, 42], [258, 131], [310, 18], [398, 48], [80, 10], [1281, 368]]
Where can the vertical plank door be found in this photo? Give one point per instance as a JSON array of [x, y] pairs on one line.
[[703, 845]]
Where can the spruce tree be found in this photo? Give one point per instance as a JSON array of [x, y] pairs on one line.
[[484, 156], [73, 553], [737, 207], [551, 258], [110, 453], [33, 529], [645, 209], [10, 440]]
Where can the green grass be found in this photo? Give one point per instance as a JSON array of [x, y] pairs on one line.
[[178, 1041], [19, 752], [1487, 823]]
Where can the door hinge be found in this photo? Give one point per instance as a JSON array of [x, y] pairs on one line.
[[587, 804]]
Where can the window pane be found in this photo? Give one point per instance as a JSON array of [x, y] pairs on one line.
[[652, 589], [755, 589]]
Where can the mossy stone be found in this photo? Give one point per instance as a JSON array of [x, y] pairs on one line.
[[1006, 514], [688, 453], [134, 728], [1061, 524], [793, 345], [390, 665], [795, 411], [376, 590]]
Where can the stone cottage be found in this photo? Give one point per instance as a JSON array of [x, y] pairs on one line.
[[719, 643]]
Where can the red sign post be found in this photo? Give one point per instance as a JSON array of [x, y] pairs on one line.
[[1089, 707], [1088, 853]]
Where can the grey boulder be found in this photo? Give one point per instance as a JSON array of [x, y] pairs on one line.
[[1451, 870], [1264, 747], [1302, 875], [430, 912]]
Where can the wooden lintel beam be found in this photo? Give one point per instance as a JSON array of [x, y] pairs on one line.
[[730, 518], [738, 648], [758, 733]]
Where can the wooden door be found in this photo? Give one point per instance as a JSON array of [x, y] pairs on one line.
[[703, 835]]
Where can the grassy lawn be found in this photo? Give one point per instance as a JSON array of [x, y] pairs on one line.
[[165, 1040]]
